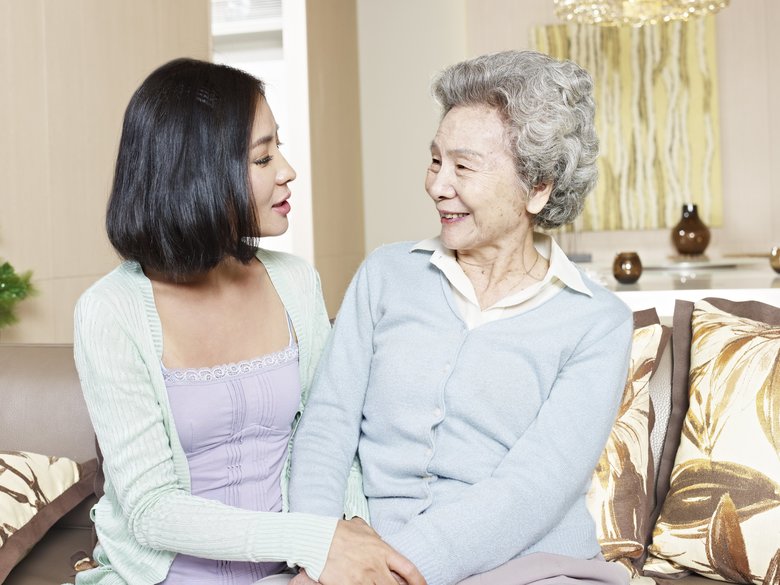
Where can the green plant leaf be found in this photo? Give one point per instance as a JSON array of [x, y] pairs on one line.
[[13, 288]]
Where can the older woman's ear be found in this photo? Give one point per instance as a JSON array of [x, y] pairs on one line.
[[538, 197]]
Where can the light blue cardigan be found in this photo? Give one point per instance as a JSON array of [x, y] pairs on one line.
[[147, 513], [477, 445]]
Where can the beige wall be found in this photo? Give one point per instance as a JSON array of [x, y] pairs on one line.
[[334, 118], [68, 68], [749, 91], [402, 45], [400, 51]]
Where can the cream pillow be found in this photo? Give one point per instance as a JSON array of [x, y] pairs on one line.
[[721, 516]]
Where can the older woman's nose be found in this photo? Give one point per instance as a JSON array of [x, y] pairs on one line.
[[440, 187]]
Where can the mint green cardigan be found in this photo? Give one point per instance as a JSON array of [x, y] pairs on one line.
[[148, 514]]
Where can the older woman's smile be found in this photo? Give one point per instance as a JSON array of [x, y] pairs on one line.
[[451, 217]]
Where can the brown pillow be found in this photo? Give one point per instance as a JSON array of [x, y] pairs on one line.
[[35, 492], [721, 514], [621, 492]]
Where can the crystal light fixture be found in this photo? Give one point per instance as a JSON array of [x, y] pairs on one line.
[[634, 12]]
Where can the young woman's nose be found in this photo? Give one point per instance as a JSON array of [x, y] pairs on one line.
[[285, 173]]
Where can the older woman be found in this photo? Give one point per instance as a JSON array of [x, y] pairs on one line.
[[478, 374]]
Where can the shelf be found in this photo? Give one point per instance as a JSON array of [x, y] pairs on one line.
[[692, 263], [736, 279], [663, 300]]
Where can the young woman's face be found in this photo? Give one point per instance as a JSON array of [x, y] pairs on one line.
[[269, 173]]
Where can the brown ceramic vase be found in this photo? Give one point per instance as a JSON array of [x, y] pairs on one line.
[[627, 268], [690, 236]]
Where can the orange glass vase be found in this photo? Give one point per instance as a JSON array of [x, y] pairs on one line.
[[690, 236]]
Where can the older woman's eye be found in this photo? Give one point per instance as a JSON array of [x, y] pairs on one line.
[[435, 162]]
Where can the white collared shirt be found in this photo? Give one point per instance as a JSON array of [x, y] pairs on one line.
[[560, 274]]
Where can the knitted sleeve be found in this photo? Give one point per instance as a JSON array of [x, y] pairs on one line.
[[327, 438], [540, 477], [318, 330], [115, 372]]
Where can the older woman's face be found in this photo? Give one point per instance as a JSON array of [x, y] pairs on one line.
[[473, 182]]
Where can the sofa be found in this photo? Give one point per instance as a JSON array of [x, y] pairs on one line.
[[43, 412], [730, 506]]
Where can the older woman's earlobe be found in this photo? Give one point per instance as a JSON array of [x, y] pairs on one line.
[[538, 198]]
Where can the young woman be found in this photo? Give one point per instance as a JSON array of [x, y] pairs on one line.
[[196, 353]]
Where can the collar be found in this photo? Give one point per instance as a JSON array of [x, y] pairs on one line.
[[561, 268]]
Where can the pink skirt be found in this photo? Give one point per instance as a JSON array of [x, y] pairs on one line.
[[549, 569]]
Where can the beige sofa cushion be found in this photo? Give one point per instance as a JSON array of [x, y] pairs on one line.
[[621, 495]]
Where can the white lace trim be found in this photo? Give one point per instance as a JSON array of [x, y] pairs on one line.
[[230, 370]]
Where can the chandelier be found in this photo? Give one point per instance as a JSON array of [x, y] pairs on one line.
[[634, 12]]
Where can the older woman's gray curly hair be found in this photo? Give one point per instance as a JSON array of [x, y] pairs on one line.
[[547, 106]]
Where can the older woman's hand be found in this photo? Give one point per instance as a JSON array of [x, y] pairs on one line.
[[302, 578], [357, 556]]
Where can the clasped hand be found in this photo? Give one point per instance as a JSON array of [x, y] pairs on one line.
[[357, 556]]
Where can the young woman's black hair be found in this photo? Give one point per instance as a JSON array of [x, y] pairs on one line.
[[181, 200]]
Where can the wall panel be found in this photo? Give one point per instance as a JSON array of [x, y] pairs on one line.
[[336, 163], [69, 68], [403, 44], [25, 223]]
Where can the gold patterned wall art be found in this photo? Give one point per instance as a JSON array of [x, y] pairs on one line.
[[656, 117]]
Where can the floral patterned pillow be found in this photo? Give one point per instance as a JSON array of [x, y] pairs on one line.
[[721, 516], [621, 492], [35, 492]]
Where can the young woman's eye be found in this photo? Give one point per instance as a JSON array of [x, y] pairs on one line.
[[261, 162]]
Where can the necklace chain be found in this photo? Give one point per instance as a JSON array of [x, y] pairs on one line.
[[526, 273]]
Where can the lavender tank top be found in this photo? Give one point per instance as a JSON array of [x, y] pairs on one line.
[[234, 422]]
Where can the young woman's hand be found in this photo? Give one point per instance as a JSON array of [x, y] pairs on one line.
[[357, 556]]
